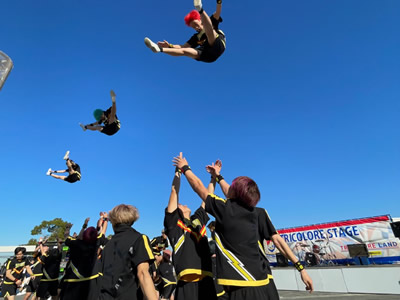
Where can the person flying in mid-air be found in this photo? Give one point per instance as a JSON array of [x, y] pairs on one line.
[[207, 45], [74, 171], [108, 118]]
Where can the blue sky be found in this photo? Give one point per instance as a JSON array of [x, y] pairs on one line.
[[305, 100]]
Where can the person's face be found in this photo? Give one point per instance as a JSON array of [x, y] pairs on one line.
[[185, 210], [158, 258], [19, 255], [196, 25]]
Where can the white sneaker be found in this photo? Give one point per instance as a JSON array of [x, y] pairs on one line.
[[82, 126], [153, 46], [48, 172], [66, 156], [197, 4]]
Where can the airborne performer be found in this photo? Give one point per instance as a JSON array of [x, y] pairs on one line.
[[74, 171], [207, 45], [108, 118]]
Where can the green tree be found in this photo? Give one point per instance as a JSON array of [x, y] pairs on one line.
[[54, 229], [32, 242]]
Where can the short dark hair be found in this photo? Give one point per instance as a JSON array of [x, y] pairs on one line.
[[18, 249], [246, 190]]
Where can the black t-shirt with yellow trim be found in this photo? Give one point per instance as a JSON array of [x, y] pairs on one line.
[[200, 39], [239, 262], [37, 265], [82, 257], [266, 230], [51, 265], [118, 264], [159, 244], [17, 267], [191, 254]]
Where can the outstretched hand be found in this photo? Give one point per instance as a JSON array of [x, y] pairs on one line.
[[179, 161], [163, 44], [87, 220], [215, 168]]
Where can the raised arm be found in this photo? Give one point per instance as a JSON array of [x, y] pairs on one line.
[[217, 13], [84, 226], [196, 184], [215, 170], [104, 224], [173, 197]]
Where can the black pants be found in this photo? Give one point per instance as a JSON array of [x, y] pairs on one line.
[[201, 290], [265, 292]]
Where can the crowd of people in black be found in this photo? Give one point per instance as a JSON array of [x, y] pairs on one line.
[[231, 264]]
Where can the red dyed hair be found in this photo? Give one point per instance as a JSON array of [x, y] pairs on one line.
[[90, 235], [193, 15], [245, 190]]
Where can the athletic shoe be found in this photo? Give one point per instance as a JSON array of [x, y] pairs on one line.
[[66, 156], [197, 4], [82, 126], [48, 172], [153, 46]]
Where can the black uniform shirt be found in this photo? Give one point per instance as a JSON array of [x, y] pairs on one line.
[[266, 231], [159, 244], [118, 264], [239, 262], [191, 254], [200, 38], [51, 265], [166, 272], [37, 265], [82, 257], [107, 113], [17, 267]]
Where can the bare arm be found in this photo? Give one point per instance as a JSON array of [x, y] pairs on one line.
[[196, 184], [217, 13], [146, 283], [215, 170], [80, 235], [165, 44], [105, 224], [61, 171], [29, 270], [280, 243], [173, 197]]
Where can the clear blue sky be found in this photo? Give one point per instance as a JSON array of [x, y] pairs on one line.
[[305, 101]]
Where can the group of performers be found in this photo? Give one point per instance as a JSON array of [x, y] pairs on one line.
[[233, 265]]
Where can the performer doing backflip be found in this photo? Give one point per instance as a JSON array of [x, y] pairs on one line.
[[108, 118], [207, 45]]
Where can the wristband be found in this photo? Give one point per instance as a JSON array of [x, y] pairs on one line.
[[219, 178], [178, 170], [84, 225], [219, 1], [171, 45], [299, 266], [185, 168], [105, 219], [15, 279]]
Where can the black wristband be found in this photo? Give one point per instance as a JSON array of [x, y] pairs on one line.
[[185, 168], [178, 170], [84, 225], [105, 219], [299, 266], [219, 178], [219, 1]]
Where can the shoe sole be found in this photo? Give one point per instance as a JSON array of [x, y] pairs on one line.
[[197, 3], [66, 156], [150, 45]]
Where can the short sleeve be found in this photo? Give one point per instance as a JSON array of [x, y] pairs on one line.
[[215, 206], [200, 215], [11, 264], [193, 41], [141, 252], [171, 229], [101, 240], [215, 22], [266, 229], [70, 242]]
